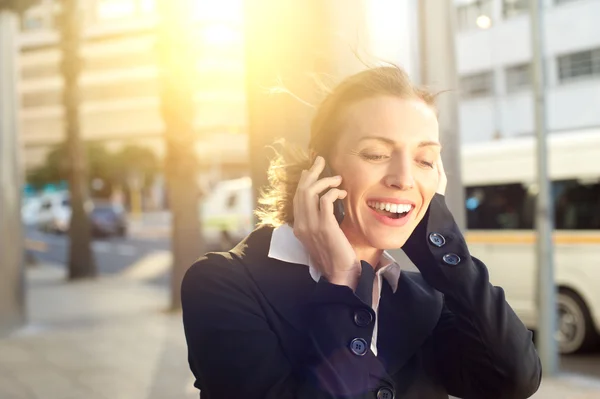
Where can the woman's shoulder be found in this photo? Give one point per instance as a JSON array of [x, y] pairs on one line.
[[210, 270], [226, 270]]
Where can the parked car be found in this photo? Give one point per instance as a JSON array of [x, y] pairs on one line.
[[54, 212], [108, 219]]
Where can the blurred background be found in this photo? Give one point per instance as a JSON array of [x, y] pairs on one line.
[[134, 134]]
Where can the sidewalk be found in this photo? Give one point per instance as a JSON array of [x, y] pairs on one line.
[[104, 339], [111, 338]]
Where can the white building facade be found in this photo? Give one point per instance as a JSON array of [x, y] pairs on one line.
[[494, 55]]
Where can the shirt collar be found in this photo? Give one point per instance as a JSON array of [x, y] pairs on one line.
[[286, 247]]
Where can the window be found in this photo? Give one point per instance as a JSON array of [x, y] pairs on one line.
[[576, 205], [477, 85], [512, 8], [39, 71], [232, 201], [583, 64], [518, 77], [120, 61], [466, 15], [507, 206], [512, 206], [119, 90], [41, 99]]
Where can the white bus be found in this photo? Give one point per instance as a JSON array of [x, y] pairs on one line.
[[500, 197]]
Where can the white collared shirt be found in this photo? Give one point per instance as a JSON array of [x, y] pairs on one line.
[[287, 248]]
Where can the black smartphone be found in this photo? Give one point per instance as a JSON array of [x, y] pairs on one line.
[[338, 205]]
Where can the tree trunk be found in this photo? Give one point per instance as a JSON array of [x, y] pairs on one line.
[[81, 258], [178, 74]]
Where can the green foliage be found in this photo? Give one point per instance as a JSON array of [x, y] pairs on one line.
[[112, 168]]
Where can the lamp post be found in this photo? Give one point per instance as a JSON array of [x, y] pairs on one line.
[[546, 288]]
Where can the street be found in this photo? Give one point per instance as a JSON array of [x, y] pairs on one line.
[[113, 255], [144, 253]]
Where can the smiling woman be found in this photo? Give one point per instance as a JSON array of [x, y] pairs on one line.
[[308, 306]]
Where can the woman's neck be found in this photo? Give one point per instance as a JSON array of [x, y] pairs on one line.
[[370, 255]]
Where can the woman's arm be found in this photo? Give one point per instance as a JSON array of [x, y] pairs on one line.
[[483, 349], [234, 353]]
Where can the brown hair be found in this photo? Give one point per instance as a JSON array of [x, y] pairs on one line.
[[276, 201]]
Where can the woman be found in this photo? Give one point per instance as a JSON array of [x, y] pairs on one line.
[[305, 307]]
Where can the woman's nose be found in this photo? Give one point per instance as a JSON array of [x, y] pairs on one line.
[[400, 176]]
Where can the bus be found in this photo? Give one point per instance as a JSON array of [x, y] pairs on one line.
[[500, 193]]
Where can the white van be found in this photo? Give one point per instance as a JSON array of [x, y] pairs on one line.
[[227, 213], [54, 212]]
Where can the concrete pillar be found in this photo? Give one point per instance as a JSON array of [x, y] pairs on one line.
[[12, 307], [438, 71]]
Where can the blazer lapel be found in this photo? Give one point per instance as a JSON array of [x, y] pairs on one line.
[[407, 318], [286, 286]]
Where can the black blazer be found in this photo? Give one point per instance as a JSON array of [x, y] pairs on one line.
[[261, 328]]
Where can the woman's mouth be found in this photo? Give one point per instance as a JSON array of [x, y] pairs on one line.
[[391, 214]]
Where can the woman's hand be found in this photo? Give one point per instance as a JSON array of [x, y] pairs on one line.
[[316, 227], [442, 179]]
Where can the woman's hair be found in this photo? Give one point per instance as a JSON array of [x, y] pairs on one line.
[[276, 201]]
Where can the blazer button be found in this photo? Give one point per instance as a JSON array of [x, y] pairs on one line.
[[358, 346], [385, 393], [451, 259], [362, 318], [437, 239]]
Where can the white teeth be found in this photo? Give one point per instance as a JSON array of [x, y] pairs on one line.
[[394, 208]]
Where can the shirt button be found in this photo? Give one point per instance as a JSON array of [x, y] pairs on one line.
[[358, 346], [451, 259], [385, 393], [362, 318], [437, 239]]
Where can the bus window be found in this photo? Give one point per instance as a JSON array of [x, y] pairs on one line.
[[576, 205], [499, 207]]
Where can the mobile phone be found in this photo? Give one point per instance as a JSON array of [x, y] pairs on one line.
[[338, 205]]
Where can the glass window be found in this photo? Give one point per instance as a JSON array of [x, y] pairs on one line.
[[466, 15], [132, 89], [477, 85], [518, 77], [583, 64], [576, 205], [120, 61], [39, 71], [512, 8], [41, 99], [507, 206]]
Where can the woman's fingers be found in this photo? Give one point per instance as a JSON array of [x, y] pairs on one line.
[[327, 200], [311, 175], [322, 184]]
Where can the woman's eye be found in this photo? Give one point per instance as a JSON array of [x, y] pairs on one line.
[[374, 157], [428, 164]]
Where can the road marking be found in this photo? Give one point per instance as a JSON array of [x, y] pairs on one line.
[[150, 266], [101, 247], [126, 250]]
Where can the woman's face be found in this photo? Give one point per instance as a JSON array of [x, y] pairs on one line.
[[386, 155]]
